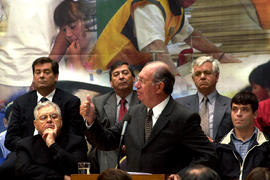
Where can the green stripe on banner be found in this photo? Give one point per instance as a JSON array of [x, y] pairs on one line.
[[105, 10]]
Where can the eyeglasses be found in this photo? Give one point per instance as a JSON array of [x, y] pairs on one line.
[[52, 116], [141, 81]]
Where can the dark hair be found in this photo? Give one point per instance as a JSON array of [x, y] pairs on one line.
[[164, 75], [266, 75], [70, 11], [43, 60], [118, 64], [200, 172], [245, 98], [247, 88], [260, 76], [256, 76], [259, 173], [114, 174]]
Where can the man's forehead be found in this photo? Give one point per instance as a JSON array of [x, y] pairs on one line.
[[43, 66], [205, 64], [121, 68], [46, 109], [241, 105]]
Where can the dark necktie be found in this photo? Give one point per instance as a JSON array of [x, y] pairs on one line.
[[43, 99], [204, 113], [148, 124], [122, 110]]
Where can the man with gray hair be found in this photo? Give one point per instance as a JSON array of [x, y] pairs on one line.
[[214, 108], [51, 154]]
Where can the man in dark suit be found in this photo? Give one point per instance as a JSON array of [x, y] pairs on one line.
[[205, 74], [50, 154], [169, 140], [45, 76], [108, 108]]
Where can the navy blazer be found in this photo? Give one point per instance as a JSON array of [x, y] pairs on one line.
[[21, 123], [222, 113], [176, 140]]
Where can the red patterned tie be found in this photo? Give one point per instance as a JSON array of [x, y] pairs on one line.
[[122, 110]]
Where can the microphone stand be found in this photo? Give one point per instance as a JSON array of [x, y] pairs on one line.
[[124, 128]]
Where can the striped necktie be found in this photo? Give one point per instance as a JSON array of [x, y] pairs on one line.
[[148, 124], [204, 113]]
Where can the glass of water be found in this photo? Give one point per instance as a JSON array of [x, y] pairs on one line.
[[84, 167]]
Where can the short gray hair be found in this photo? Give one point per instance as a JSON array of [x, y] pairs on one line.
[[203, 59], [46, 104]]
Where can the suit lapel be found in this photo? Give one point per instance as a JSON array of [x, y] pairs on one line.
[[134, 99], [140, 118], [32, 99], [57, 97], [220, 108], [162, 121], [193, 103], [110, 108]]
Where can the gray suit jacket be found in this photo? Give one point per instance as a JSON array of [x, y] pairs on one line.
[[222, 113], [106, 110]]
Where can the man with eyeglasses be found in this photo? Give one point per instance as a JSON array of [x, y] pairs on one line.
[[110, 108], [51, 154], [45, 77], [215, 117], [162, 136]]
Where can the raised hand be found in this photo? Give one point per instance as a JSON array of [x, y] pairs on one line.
[[87, 110], [49, 136]]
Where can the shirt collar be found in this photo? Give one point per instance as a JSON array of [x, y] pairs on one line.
[[128, 98], [211, 97], [49, 96], [254, 135], [157, 110]]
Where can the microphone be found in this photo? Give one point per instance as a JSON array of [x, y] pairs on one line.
[[124, 128]]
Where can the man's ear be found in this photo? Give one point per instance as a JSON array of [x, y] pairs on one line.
[[160, 87], [35, 123], [255, 114], [111, 83], [217, 76], [56, 77], [61, 123], [193, 78]]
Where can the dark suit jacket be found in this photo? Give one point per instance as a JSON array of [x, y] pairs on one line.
[[176, 140], [21, 122], [222, 113], [36, 161], [106, 110]]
